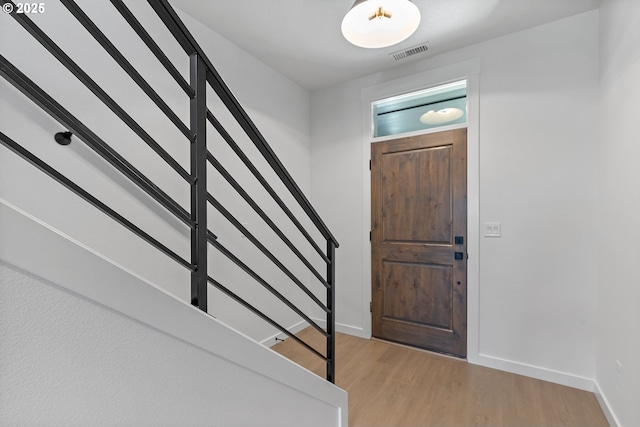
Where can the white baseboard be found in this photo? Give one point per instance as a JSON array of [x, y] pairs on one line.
[[544, 374], [344, 328], [537, 372], [604, 405], [340, 327], [294, 329]]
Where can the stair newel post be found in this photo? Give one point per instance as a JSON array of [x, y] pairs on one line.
[[331, 318], [198, 151]]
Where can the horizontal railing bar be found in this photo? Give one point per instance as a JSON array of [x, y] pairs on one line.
[[232, 144], [189, 44], [153, 46], [234, 107], [216, 204], [88, 24], [64, 117], [264, 317], [84, 134], [44, 167], [227, 176], [65, 60], [244, 267]]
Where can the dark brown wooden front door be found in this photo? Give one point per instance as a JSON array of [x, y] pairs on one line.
[[419, 241]]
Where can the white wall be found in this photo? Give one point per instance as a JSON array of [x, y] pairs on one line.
[[537, 136], [619, 208], [139, 357], [81, 364], [279, 107]]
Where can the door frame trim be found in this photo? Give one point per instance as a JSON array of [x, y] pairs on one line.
[[469, 70]]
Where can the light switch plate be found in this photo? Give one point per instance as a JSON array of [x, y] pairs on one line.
[[491, 229]]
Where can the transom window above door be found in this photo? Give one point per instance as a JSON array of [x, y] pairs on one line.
[[435, 107]]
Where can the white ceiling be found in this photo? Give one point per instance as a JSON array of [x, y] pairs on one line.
[[302, 40]]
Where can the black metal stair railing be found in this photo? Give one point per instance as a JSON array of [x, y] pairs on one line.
[[202, 75]]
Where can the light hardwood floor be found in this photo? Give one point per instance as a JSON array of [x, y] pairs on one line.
[[391, 385]]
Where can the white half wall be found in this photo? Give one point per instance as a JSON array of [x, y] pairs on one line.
[[94, 344], [618, 344], [536, 293]]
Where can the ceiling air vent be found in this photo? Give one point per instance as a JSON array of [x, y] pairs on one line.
[[403, 54]]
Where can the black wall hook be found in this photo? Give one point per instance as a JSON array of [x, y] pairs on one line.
[[63, 138]]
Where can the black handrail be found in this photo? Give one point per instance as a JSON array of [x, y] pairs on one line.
[[265, 284], [236, 149], [264, 317], [57, 111], [37, 162], [189, 44], [236, 186], [202, 73], [106, 44], [75, 69], [264, 250], [153, 46]]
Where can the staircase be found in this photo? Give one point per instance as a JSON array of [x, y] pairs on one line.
[[152, 140]]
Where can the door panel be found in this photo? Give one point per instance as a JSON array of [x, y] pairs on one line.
[[417, 293], [418, 210], [416, 196]]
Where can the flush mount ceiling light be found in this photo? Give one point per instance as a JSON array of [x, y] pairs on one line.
[[380, 23], [439, 117]]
